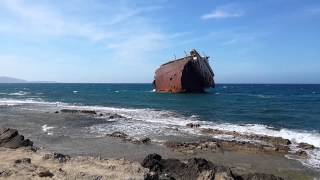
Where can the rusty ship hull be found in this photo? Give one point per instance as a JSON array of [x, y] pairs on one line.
[[189, 74]]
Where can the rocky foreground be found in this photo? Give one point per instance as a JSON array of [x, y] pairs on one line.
[[20, 159]]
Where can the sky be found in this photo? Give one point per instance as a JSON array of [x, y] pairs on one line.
[[124, 41]]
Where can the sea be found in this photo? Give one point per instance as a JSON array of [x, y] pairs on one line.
[[290, 111]]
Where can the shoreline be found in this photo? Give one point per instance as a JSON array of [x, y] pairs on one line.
[[239, 156], [27, 161]]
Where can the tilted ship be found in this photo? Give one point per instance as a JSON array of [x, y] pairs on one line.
[[191, 73]]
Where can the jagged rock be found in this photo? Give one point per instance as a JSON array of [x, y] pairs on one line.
[[195, 168], [260, 176], [274, 141], [23, 161], [118, 134], [57, 156], [306, 146], [193, 125], [10, 138]]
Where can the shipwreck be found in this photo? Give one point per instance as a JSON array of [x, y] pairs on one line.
[[191, 73]]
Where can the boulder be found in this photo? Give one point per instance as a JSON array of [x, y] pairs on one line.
[[194, 168], [10, 138], [152, 162]]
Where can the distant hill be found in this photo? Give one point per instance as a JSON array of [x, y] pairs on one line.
[[5, 79]]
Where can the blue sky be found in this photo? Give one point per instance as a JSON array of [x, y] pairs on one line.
[[270, 41]]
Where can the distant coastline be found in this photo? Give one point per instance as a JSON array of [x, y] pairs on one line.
[[8, 80]]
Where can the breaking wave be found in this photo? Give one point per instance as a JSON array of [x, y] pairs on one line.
[[151, 122]]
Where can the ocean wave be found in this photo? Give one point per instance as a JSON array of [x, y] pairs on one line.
[[19, 93], [18, 102], [143, 122]]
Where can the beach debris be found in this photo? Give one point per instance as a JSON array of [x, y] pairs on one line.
[[23, 161], [57, 156], [10, 138], [191, 73]]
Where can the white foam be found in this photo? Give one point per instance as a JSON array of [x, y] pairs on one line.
[[148, 121], [20, 93], [75, 92], [38, 101], [46, 129]]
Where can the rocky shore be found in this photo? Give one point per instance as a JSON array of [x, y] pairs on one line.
[[20, 159]]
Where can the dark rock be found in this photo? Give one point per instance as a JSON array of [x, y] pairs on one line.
[[145, 140], [118, 134], [114, 116], [45, 173], [57, 112], [69, 111], [151, 176], [88, 112], [193, 125], [195, 168], [260, 176], [152, 162], [306, 146], [10, 138], [23, 161]]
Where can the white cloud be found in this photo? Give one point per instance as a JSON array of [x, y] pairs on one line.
[[124, 28], [226, 11]]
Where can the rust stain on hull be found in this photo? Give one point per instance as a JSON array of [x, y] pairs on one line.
[[189, 74]]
